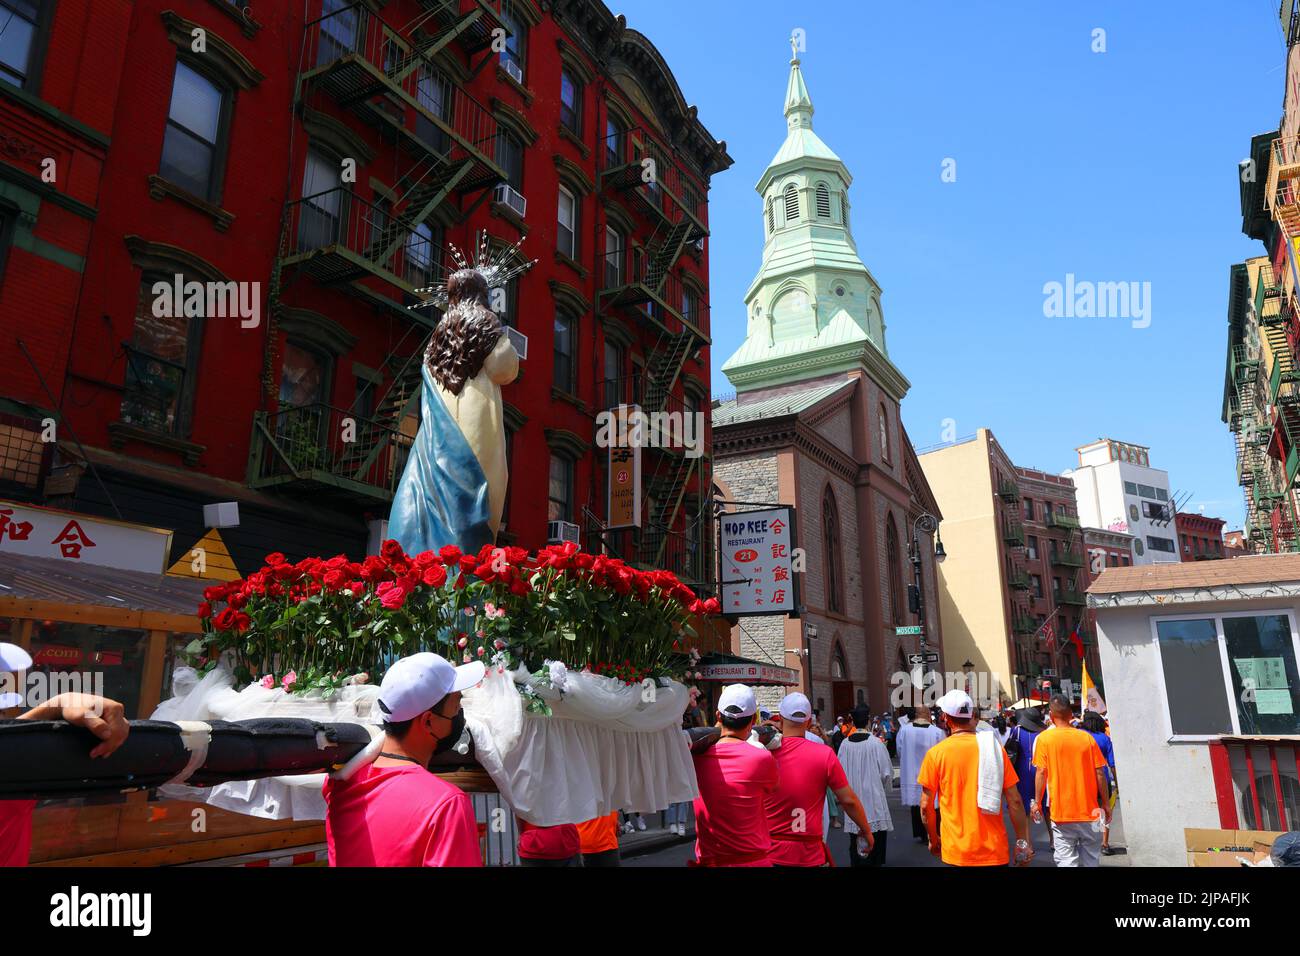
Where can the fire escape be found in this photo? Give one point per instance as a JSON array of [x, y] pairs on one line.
[[651, 296], [443, 143]]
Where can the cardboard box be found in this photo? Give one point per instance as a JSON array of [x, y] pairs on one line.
[[1205, 848]]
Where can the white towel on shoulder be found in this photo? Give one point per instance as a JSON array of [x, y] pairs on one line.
[[989, 796]]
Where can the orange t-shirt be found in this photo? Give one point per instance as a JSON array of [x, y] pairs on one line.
[[1070, 758], [967, 836], [600, 834]]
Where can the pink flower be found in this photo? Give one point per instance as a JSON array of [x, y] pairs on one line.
[[462, 642], [489, 609], [499, 644], [289, 679], [481, 651], [465, 659], [469, 612], [391, 595], [267, 681]]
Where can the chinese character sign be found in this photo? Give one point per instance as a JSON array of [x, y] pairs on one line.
[[756, 557], [81, 539]]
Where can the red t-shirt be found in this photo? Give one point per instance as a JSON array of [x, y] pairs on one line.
[[15, 831], [548, 843], [399, 816], [730, 819], [795, 810]]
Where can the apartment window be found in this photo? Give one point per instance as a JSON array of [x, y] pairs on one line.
[[613, 258], [1155, 512], [566, 241], [1036, 585], [508, 314], [193, 143], [570, 102], [24, 28], [433, 91], [161, 362], [1047, 512], [823, 201], [1130, 487], [304, 375], [565, 339], [338, 30], [1112, 561], [1146, 491], [421, 252], [1253, 654], [791, 203], [614, 381], [1056, 588], [319, 214], [1032, 547], [1029, 509], [559, 504], [1161, 544], [1162, 495], [517, 41], [690, 305], [510, 157], [614, 134]]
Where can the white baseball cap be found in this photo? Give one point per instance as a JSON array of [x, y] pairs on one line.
[[417, 683], [795, 707], [956, 703], [14, 658], [737, 700]]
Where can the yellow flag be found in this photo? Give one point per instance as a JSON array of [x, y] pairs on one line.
[[1091, 699]]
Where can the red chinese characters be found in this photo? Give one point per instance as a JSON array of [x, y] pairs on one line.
[[71, 540], [17, 530]]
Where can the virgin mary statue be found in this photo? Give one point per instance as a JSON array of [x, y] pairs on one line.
[[454, 487]]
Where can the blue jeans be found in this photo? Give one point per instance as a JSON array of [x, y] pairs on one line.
[[676, 813]]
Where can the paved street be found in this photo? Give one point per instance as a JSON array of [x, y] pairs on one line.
[[903, 850]]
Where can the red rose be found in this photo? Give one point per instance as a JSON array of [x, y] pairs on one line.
[[485, 573], [358, 588], [426, 558], [695, 607], [216, 592], [468, 563], [374, 569], [242, 621], [225, 621], [449, 553], [205, 610], [518, 587], [285, 571], [391, 550], [712, 606], [275, 559], [338, 562], [336, 579], [435, 576], [391, 595]]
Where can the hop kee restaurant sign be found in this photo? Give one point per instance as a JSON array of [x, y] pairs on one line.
[[756, 554], [78, 539]]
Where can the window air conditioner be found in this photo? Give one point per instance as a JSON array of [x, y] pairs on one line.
[[515, 70], [519, 341], [507, 194], [558, 532]]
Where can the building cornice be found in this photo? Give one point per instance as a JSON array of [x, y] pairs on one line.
[[1277, 590]]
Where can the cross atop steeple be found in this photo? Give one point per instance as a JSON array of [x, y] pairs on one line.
[[794, 48], [798, 104]]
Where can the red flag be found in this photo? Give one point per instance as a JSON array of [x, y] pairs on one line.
[[1077, 642]]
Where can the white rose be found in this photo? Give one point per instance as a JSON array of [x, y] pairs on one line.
[[559, 675]]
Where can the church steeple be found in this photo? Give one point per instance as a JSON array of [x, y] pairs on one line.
[[798, 104], [814, 308]]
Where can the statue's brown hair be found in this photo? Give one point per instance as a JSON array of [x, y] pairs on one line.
[[467, 334]]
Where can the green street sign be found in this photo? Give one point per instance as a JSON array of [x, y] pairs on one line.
[[909, 629]]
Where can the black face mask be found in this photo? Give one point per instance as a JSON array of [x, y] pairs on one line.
[[457, 729]]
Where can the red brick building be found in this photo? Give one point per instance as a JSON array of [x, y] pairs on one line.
[[1200, 538], [322, 167]]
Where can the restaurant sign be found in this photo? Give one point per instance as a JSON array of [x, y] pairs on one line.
[[80, 539], [750, 673], [756, 558]]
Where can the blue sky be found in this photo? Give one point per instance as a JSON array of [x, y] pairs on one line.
[[1116, 167]]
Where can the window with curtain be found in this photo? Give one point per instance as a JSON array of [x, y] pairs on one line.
[[559, 505], [613, 258], [565, 340], [194, 135], [340, 20], [614, 134], [510, 157], [833, 558], [421, 248], [791, 196], [894, 557], [570, 102], [567, 236], [434, 92], [320, 212]]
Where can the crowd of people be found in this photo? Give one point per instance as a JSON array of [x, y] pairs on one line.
[[772, 785]]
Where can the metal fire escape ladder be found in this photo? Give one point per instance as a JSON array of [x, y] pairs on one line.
[[391, 409]]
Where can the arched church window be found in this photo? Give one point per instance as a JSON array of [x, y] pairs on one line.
[[883, 422], [895, 572], [791, 203], [823, 201], [839, 667], [833, 557]]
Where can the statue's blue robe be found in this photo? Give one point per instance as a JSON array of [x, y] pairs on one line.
[[443, 495]]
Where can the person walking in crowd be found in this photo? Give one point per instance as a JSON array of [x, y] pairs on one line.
[[394, 812], [972, 777], [104, 718], [1020, 748], [1072, 769], [676, 815], [914, 741], [1095, 724], [734, 780], [559, 845], [870, 775], [598, 841], [806, 769]]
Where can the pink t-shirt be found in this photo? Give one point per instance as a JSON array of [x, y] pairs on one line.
[[730, 821], [15, 831], [399, 816], [795, 810]]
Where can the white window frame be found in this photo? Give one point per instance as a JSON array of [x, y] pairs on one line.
[[566, 193], [1225, 665]]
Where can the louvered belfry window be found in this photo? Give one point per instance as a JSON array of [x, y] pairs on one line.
[[770, 219], [823, 201], [791, 203]]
